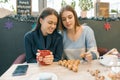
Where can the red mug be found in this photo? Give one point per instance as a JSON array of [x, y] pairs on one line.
[[43, 53]]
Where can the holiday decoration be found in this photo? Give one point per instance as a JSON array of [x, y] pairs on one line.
[[24, 18], [33, 19], [8, 24], [33, 25], [107, 26]]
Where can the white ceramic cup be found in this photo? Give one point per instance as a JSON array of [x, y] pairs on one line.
[[111, 60], [45, 76]]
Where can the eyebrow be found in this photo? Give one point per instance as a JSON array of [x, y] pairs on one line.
[[68, 15]]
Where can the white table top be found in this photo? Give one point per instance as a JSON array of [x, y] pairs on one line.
[[62, 73]]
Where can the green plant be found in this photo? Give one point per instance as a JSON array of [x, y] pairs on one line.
[[114, 11], [63, 3], [85, 5], [3, 1], [73, 3]]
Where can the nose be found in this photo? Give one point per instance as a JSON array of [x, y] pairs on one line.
[[53, 25], [67, 20]]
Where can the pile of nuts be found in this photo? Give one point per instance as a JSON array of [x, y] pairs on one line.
[[96, 74], [114, 76], [70, 64]]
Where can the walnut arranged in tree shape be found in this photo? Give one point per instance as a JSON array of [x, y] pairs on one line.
[[70, 64]]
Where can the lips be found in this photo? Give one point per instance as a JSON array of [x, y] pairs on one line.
[[51, 29], [68, 24]]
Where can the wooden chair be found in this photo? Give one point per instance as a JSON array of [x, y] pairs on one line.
[[20, 59], [102, 51]]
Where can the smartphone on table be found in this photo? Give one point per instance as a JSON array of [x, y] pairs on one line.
[[20, 70]]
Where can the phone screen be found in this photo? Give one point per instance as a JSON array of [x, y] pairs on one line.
[[20, 70]]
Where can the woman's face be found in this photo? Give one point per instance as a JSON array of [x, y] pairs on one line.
[[68, 19], [48, 24]]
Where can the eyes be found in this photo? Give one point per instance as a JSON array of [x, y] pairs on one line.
[[69, 17], [51, 22]]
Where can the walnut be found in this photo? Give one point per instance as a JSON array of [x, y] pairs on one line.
[[96, 74], [75, 68], [114, 76], [70, 64], [60, 62]]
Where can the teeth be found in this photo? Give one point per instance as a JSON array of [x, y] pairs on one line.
[[51, 29]]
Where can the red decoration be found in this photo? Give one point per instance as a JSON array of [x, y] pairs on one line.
[[107, 26]]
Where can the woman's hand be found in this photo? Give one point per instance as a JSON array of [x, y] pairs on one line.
[[86, 56], [48, 59], [38, 57]]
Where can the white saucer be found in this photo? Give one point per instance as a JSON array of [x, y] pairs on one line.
[[109, 60], [105, 63], [108, 63], [115, 69], [44, 76]]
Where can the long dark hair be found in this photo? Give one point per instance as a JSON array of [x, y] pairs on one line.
[[46, 12], [68, 8]]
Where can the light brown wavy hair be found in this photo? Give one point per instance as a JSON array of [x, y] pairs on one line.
[[67, 8]]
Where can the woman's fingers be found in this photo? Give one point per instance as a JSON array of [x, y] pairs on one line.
[[48, 59], [51, 53], [38, 50], [88, 57]]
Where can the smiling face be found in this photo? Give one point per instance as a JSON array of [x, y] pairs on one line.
[[68, 19], [48, 24]]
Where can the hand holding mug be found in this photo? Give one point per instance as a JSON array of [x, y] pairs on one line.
[[44, 57], [48, 59]]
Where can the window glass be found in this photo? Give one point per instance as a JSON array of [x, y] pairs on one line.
[[114, 4], [34, 5], [11, 5], [57, 5]]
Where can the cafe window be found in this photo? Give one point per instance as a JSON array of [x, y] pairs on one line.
[[114, 5], [11, 5]]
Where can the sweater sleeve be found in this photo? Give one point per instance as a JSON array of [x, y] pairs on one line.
[[59, 50], [30, 57], [91, 43]]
